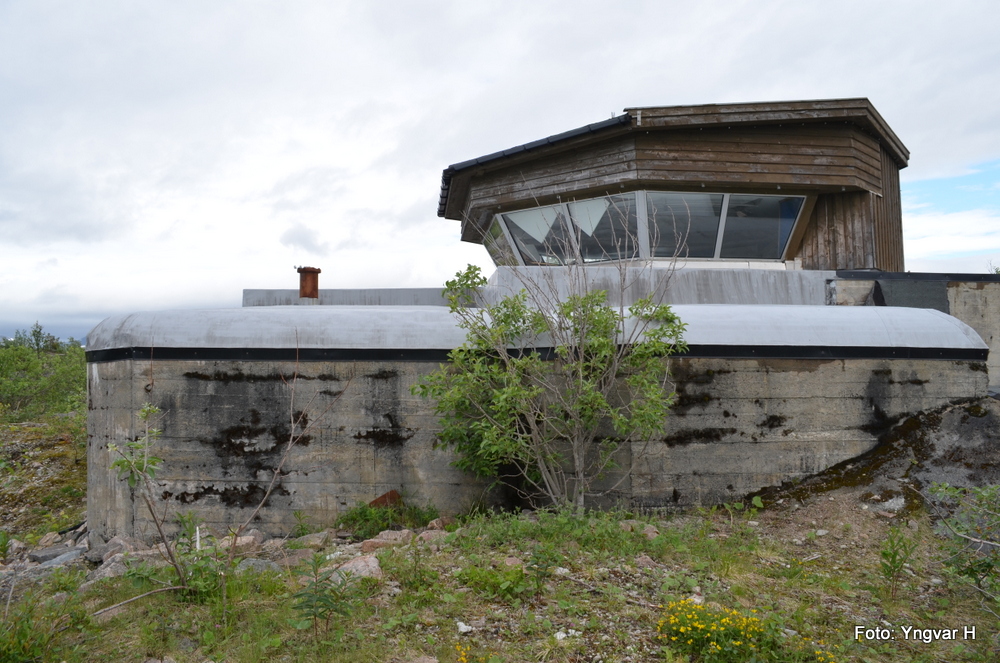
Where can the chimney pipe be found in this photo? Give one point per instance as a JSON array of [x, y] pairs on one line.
[[309, 282]]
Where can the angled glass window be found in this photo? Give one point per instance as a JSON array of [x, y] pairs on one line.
[[541, 235], [683, 224], [758, 226], [606, 228], [497, 245]]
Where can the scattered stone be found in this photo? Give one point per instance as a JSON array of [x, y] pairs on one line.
[[650, 532], [423, 659], [273, 545], [65, 558], [822, 532], [937, 581], [512, 561], [630, 525], [50, 539], [256, 565], [392, 498], [113, 569], [365, 566], [312, 541], [441, 523], [753, 523], [292, 558], [120, 544], [256, 535], [645, 562], [561, 571], [244, 544], [387, 538], [463, 627], [895, 504], [912, 524], [45, 554], [432, 535], [886, 514], [797, 542]]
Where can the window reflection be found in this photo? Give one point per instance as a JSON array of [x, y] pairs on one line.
[[758, 226], [498, 246], [679, 224], [683, 224], [606, 228], [541, 235]]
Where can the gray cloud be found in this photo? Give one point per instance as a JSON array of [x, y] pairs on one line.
[[185, 128], [301, 237]]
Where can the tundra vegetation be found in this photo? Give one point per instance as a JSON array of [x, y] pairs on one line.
[[782, 578]]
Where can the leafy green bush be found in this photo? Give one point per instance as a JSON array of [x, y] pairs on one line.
[[546, 389], [367, 521], [40, 375], [503, 584]]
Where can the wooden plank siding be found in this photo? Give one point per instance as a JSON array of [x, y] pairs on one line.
[[840, 233], [599, 169], [889, 219], [825, 156], [839, 153]]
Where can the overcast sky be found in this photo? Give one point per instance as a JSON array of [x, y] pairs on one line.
[[159, 155]]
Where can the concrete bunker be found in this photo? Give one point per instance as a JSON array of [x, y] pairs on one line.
[[795, 364]]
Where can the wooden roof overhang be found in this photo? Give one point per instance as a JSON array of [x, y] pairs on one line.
[[799, 147]]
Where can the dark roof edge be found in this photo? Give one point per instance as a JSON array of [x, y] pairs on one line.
[[566, 135]]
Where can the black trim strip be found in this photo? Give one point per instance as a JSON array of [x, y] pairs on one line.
[[439, 356], [834, 352], [877, 275]]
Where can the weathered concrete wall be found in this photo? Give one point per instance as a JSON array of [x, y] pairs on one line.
[[740, 425], [744, 424], [976, 303], [226, 423]]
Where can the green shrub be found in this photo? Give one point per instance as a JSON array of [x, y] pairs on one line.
[[503, 584], [40, 375], [975, 526], [367, 521], [326, 593]]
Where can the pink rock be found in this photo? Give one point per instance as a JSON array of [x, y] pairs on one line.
[[387, 538], [365, 566], [431, 535], [645, 562], [440, 523]]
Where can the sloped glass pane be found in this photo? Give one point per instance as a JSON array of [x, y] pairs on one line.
[[759, 226], [540, 235], [497, 245], [685, 225], [606, 228]]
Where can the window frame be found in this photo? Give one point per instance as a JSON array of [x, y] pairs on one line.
[[642, 226]]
